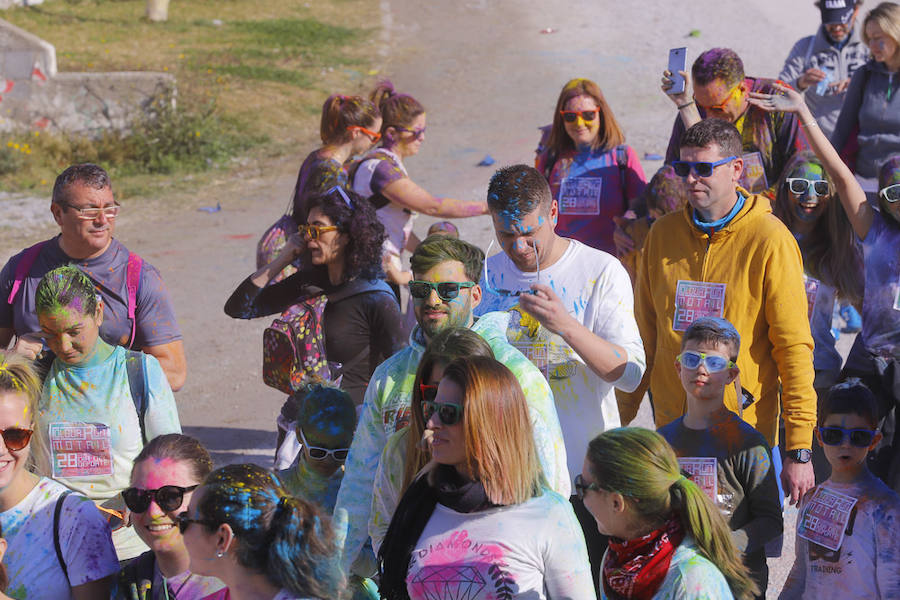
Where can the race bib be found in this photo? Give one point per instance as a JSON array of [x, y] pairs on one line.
[[753, 179], [695, 299], [812, 289], [80, 449], [538, 352], [703, 472], [580, 196], [824, 519]]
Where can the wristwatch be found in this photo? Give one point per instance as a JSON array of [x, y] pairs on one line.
[[801, 455]]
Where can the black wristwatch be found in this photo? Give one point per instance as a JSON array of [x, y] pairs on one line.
[[801, 455]]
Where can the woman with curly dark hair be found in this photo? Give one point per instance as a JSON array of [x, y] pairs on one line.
[[341, 248]]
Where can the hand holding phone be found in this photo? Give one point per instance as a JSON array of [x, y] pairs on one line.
[[677, 62]]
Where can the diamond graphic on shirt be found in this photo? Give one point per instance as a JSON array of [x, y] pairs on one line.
[[442, 582]]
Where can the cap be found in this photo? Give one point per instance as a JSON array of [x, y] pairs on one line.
[[837, 11]]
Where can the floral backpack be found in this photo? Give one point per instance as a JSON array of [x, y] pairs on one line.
[[294, 344]]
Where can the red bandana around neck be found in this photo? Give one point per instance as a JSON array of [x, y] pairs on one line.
[[634, 569]]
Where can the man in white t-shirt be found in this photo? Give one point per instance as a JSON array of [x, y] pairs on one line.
[[572, 313]]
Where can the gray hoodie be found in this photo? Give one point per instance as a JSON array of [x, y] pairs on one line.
[[818, 52], [872, 104]]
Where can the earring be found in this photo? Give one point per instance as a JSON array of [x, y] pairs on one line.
[[220, 553]]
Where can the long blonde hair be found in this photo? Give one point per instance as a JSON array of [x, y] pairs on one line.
[[18, 375], [887, 16], [639, 464], [500, 450]]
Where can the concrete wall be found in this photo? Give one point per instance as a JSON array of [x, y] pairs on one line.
[[33, 95]]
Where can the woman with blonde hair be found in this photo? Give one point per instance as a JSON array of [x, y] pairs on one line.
[[668, 539], [58, 543], [592, 173], [483, 508]]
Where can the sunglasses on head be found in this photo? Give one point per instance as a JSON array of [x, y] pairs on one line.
[[834, 436], [683, 168], [417, 133], [446, 290], [319, 453], [167, 497], [448, 412], [184, 521], [890, 193], [570, 116], [799, 186], [314, 231], [714, 364], [373, 135], [581, 487], [16, 438]]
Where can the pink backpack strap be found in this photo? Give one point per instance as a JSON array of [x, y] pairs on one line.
[[25, 263], [132, 281]]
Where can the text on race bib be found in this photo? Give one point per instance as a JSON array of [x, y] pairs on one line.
[[824, 519], [580, 195], [80, 449], [695, 299]]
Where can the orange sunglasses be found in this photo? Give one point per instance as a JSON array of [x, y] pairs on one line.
[[373, 135]]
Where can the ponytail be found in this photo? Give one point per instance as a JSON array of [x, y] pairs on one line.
[[639, 464], [397, 110], [340, 112], [285, 538]]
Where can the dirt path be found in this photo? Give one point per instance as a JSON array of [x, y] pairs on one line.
[[488, 79]]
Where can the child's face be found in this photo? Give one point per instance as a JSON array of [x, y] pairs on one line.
[[700, 383], [847, 461]]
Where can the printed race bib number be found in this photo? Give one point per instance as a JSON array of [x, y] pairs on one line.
[[80, 449], [538, 352], [695, 299], [812, 289], [580, 196], [824, 519], [703, 472], [753, 179]]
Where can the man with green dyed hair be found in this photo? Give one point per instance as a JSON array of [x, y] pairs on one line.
[[445, 291]]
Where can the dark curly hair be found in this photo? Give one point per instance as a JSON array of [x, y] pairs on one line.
[[357, 219]]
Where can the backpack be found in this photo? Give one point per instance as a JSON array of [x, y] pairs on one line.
[[132, 280], [294, 344]]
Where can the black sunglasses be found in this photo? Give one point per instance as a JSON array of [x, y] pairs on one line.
[[581, 487], [16, 438], [448, 412], [799, 186], [834, 436], [184, 521], [168, 497], [446, 290]]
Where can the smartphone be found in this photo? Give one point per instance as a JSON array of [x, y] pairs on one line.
[[677, 57]]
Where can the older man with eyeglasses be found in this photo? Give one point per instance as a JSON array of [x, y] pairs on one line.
[[138, 310], [726, 255]]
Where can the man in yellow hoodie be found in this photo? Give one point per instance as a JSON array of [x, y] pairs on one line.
[[726, 255]]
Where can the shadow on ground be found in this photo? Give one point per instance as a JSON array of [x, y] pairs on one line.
[[230, 445]]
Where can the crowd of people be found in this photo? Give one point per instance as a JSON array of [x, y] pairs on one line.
[[460, 427]]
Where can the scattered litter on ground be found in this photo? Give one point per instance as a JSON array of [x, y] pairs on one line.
[[487, 161], [652, 156], [694, 33], [211, 209], [239, 236], [549, 30]]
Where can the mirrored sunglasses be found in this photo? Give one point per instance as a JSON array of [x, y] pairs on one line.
[[799, 186], [683, 168], [834, 436], [167, 497], [581, 487], [16, 438], [891, 193], [448, 412], [92, 214], [319, 453], [314, 231], [570, 116], [713, 364], [721, 105], [446, 290]]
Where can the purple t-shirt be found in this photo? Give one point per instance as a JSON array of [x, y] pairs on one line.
[[881, 302], [155, 316]]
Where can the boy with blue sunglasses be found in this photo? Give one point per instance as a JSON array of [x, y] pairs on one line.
[[847, 544], [727, 457]]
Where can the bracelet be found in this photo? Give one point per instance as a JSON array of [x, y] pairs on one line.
[[810, 126], [685, 105]]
